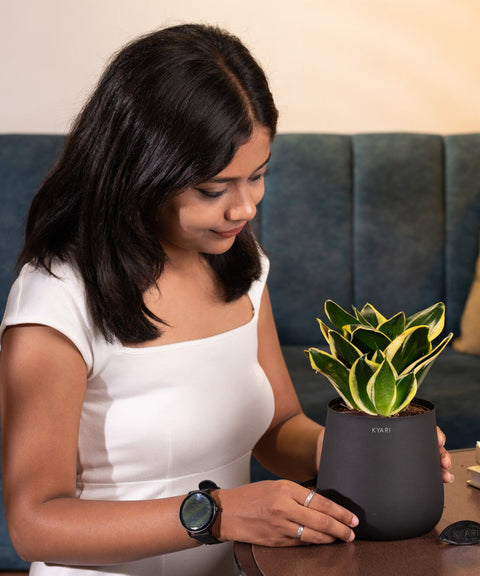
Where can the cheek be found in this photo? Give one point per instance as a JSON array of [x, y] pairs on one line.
[[193, 218]]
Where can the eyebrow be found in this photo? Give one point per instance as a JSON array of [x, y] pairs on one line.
[[223, 180]]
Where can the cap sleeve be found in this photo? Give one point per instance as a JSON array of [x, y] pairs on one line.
[[56, 301]]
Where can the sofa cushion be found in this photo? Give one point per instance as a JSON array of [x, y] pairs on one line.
[[469, 340]]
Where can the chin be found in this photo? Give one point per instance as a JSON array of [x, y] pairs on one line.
[[220, 248]]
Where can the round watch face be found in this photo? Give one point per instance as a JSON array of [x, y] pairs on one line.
[[197, 511]]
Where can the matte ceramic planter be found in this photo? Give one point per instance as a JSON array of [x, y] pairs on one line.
[[385, 470]]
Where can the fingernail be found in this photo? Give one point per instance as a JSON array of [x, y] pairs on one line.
[[452, 478], [354, 521], [352, 537]]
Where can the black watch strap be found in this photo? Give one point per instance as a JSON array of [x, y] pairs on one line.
[[207, 486], [205, 538]]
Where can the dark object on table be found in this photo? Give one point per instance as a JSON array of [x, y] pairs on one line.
[[462, 533]]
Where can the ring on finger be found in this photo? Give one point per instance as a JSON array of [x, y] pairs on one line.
[[300, 531], [309, 498]]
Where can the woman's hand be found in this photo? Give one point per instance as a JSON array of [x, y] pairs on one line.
[[445, 460], [271, 512]]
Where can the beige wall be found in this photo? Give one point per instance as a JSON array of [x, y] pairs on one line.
[[334, 65]]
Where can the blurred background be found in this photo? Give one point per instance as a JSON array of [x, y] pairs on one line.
[[334, 65]]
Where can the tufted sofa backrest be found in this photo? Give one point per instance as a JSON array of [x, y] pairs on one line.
[[390, 219]]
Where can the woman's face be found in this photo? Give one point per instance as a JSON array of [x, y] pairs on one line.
[[207, 218]]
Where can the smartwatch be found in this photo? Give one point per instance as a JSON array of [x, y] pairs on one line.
[[198, 513]]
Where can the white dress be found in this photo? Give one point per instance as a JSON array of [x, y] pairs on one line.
[[155, 420]]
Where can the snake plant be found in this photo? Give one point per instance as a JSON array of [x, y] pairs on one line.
[[377, 364]]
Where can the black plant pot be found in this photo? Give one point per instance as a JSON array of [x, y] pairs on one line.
[[385, 470]]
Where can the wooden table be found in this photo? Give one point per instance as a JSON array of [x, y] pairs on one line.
[[423, 556]]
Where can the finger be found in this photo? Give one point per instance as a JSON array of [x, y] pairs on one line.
[[326, 506], [441, 438], [445, 459], [332, 509], [323, 528], [326, 521], [310, 536], [447, 476]]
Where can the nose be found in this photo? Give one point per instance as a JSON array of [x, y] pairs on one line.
[[243, 205]]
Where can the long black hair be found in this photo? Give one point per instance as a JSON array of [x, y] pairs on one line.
[[169, 112]]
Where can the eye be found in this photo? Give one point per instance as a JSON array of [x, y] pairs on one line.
[[210, 193], [259, 176]]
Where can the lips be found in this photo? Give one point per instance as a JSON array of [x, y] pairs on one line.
[[230, 233]]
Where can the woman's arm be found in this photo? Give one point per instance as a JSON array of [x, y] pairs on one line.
[[43, 382], [291, 447]]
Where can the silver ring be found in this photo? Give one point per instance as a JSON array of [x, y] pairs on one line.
[[300, 531], [309, 498]]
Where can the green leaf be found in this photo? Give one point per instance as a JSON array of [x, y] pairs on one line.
[[410, 346], [433, 317], [378, 358], [422, 366], [343, 349], [376, 361], [369, 339], [394, 326], [360, 374], [406, 390], [324, 329], [334, 370], [338, 316], [382, 390], [372, 315], [361, 321]]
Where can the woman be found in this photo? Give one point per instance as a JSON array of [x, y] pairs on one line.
[[139, 352]]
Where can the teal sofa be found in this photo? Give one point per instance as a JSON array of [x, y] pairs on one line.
[[392, 219]]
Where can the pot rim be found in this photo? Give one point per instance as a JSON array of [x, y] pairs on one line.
[[419, 401]]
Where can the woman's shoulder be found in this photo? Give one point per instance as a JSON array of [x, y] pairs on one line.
[[53, 297], [60, 273], [56, 291], [60, 282]]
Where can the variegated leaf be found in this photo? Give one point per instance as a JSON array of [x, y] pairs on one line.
[[433, 317], [369, 339], [343, 349], [324, 329], [382, 390], [360, 374], [338, 316], [408, 347], [406, 390], [394, 326], [422, 366], [332, 369], [372, 315]]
